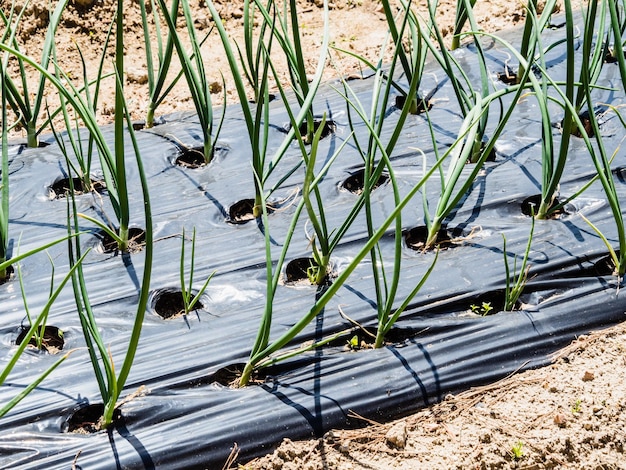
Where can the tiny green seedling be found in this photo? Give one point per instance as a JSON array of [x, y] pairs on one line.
[[354, 343], [483, 309], [517, 451], [577, 407]]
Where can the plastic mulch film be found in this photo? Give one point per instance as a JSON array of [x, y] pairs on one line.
[[181, 417]]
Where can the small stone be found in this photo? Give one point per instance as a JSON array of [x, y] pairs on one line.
[[344, 447], [598, 410], [431, 427], [215, 87], [588, 426], [139, 77], [588, 376], [396, 436], [560, 420]]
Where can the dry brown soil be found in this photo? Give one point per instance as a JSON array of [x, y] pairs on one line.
[[567, 415]]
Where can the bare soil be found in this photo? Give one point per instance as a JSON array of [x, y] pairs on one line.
[[567, 415]]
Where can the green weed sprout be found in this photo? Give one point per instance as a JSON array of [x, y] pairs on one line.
[[517, 451], [18, 96], [513, 290], [196, 76], [32, 331], [189, 299], [483, 309]]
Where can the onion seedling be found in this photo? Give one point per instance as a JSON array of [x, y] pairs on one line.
[[256, 115], [286, 30], [83, 154], [189, 299], [513, 291], [195, 74], [156, 83], [263, 350], [18, 95], [32, 331], [110, 383]]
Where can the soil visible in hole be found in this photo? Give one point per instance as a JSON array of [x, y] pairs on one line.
[[229, 376], [241, 212], [86, 420], [7, 275], [508, 76], [490, 158], [418, 107], [271, 97], [297, 271], [416, 237], [609, 58], [605, 266], [329, 127], [356, 181], [586, 122], [170, 304], [52, 341], [530, 207], [61, 187], [192, 157], [136, 241]]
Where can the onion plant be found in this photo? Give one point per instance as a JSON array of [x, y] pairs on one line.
[[513, 290], [110, 382], [195, 74], [286, 30], [157, 88], [27, 105], [189, 299], [32, 331], [83, 153], [256, 114], [264, 352], [4, 182], [376, 157]]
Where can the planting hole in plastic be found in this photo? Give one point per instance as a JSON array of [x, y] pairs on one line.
[[61, 187], [7, 275], [51, 342], [356, 181], [169, 303], [85, 420], [530, 207], [416, 237], [192, 157], [136, 240], [296, 271], [418, 106], [229, 376]]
